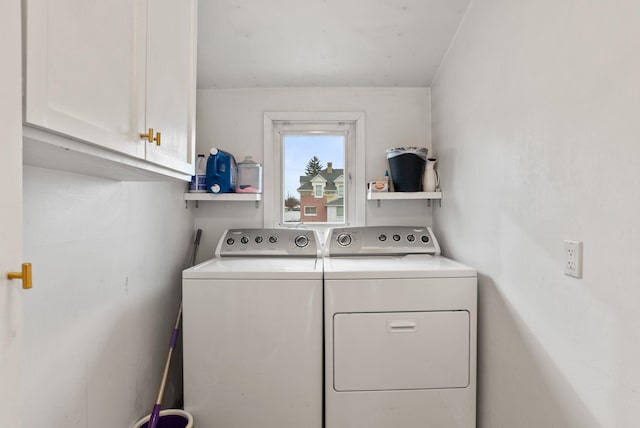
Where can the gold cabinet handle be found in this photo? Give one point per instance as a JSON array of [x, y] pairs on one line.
[[148, 135], [157, 138], [25, 276]]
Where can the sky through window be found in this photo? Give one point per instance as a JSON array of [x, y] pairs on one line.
[[299, 149]]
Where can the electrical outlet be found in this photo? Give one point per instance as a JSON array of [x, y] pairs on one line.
[[573, 258]]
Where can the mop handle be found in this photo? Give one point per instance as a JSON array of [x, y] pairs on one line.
[[176, 330], [196, 243], [172, 345], [155, 413]]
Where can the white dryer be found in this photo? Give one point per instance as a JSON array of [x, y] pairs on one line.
[[400, 331], [253, 332]]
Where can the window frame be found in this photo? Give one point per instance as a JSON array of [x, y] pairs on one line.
[[354, 184], [314, 214]]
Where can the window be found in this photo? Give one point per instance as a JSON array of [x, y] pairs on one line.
[[316, 162], [313, 160]]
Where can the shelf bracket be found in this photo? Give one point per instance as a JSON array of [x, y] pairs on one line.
[[257, 204], [378, 203]]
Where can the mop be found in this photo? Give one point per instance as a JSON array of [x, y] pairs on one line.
[[155, 413]]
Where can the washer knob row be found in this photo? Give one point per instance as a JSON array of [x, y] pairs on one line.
[[411, 238], [259, 239], [301, 241]]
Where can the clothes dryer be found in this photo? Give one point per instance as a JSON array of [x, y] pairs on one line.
[[400, 331], [253, 332]]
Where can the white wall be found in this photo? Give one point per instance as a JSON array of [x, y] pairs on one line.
[[233, 121], [535, 121], [107, 258]]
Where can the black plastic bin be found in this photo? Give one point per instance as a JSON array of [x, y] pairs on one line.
[[407, 167]]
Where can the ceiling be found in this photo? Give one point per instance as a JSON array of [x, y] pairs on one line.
[[302, 43]]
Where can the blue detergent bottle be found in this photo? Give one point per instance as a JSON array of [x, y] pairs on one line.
[[222, 172]]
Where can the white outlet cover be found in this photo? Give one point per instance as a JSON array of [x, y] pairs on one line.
[[573, 258]]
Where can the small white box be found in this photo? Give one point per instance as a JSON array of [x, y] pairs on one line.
[[378, 186]]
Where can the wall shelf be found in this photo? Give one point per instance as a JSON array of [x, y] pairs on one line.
[[383, 196], [224, 197], [397, 196]]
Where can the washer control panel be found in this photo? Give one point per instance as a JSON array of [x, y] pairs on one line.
[[268, 242], [377, 240]]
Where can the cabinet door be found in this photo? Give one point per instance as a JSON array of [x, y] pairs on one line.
[[85, 70], [171, 52]]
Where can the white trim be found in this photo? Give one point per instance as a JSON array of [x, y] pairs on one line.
[[355, 184]]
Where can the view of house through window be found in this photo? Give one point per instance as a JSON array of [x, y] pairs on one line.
[[313, 177]]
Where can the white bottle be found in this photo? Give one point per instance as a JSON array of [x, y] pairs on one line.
[[431, 177], [198, 181]]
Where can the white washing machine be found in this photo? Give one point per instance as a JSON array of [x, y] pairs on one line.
[[400, 331], [253, 332]]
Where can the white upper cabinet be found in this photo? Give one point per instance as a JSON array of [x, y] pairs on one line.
[[85, 70], [171, 44], [105, 72]]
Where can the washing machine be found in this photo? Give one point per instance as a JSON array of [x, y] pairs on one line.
[[400, 331], [253, 332]]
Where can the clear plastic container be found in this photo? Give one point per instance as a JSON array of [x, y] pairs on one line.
[[249, 176]]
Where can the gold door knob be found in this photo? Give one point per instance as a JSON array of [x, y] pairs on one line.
[[25, 276], [157, 138], [148, 135]]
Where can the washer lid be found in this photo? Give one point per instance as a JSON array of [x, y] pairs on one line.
[[256, 268], [407, 266]]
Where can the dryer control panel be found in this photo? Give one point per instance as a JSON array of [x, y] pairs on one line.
[[377, 240], [268, 243]]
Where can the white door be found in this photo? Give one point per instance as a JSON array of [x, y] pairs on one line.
[[171, 32], [10, 216]]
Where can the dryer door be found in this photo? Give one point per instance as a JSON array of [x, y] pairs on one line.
[[401, 350]]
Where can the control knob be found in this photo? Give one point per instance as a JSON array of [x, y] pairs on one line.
[[382, 237], [425, 239], [273, 239], [231, 241], [411, 238], [344, 239], [244, 240], [396, 237], [301, 241], [258, 239]]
